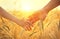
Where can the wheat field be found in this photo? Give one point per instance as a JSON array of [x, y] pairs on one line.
[[48, 29]]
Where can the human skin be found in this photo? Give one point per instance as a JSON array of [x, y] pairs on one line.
[[41, 14], [22, 22]]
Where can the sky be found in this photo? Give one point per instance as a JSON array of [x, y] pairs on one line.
[[24, 5], [27, 7]]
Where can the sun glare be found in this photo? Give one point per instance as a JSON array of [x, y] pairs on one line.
[[33, 5], [23, 5], [26, 7]]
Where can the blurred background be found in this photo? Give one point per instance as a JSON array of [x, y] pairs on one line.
[[23, 9]]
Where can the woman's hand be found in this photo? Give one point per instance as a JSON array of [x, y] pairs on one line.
[[25, 24]]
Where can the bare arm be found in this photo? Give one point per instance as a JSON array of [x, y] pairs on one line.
[[22, 22], [41, 14], [51, 5], [5, 14]]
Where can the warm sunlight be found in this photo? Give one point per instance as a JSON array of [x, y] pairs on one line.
[[22, 11], [32, 5], [25, 7]]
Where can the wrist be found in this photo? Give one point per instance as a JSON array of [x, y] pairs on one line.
[[17, 21]]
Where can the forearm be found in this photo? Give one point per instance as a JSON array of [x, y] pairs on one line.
[[37, 16], [6, 15], [51, 5]]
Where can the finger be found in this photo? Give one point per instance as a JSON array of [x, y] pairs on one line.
[[25, 28], [28, 28], [30, 24]]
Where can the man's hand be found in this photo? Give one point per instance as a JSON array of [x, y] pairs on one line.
[[39, 15]]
